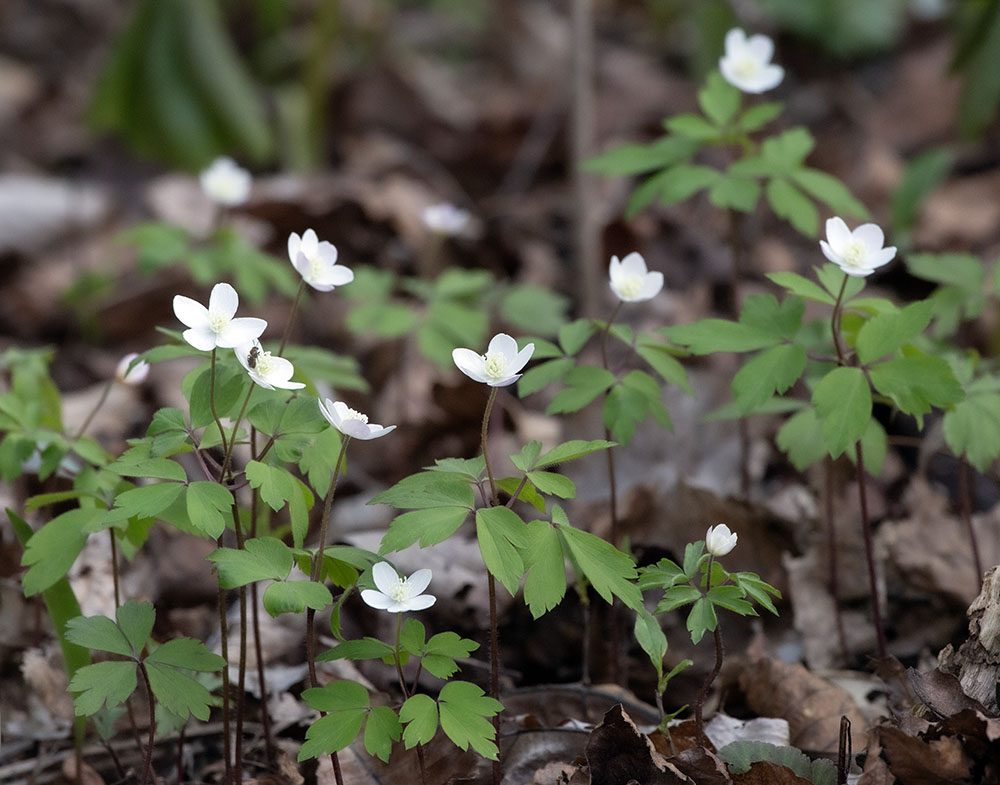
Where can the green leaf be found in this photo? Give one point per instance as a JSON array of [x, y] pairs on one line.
[[708, 336], [51, 551], [609, 571], [735, 192], [262, 558], [740, 755], [801, 437], [692, 126], [449, 644], [718, 99], [731, 597], [179, 693], [884, 333], [295, 596], [157, 468], [684, 181], [501, 535], [803, 287], [318, 458], [843, 403], [921, 177], [664, 363], [829, 190], [545, 580], [381, 730], [537, 377], [136, 619], [206, 503], [693, 553], [102, 683], [756, 117], [333, 732], [832, 278], [420, 714], [701, 619], [337, 696], [664, 574], [649, 635], [427, 489], [972, 429], [100, 634], [529, 307], [584, 384], [677, 597], [187, 653], [274, 483], [639, 158], [790, 203], [463, 709], [772, 371], [553, 484], [525, 460], [959, 269], [573, 336], [917, 383], [570, 451], [757, 589], [231, 384], [428, 527], [362, 649], [788, 149], [145, 502]]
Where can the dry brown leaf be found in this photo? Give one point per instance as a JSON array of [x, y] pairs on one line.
[[764, 772], [619, 753], [812, 705], [917, 762]]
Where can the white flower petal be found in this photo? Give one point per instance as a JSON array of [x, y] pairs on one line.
[[376, 599], [651, 286], [871, 235], [761, 47], [201, 338], [385, 577], [190, 313], [633, 264], [883, 256], [736, 39], [310, 243], [294, 244], [503, 344], [522, 357], [469, 363], [419, 581], [828, 252], [223, 300], [375, 431], [421, 602], [239, 331], [837, 234]]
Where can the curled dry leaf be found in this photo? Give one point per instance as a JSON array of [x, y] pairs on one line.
[[619, 752]]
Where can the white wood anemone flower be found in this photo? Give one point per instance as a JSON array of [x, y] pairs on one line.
[[226, 183], [351, 422], [266, 369], [719, 540], [398, 595], [216, 326], [857, 253], [631, 281], [316, 262], [747, 62], [500, 366], [445, 219], [131, 376]]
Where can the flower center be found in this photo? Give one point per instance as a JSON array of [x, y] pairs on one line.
[[855, 254], [315, 266], [746, 66], [400, 592], [353, 414], [495, 364], [217, 321], [631, 285], [264, 364]]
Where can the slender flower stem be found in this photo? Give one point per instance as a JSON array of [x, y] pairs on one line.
[[492, 587], [224, 651], [95, 410], [612, 485], [116, 583], [242, 678], [406, 692], [291, 316], [265, 718], [736, 248], [211, 406], [866, 527], [314, 575], [965, 480], [832, 555], [232, 439], [719, 654], [147, 766]]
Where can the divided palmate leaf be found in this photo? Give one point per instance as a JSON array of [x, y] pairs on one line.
[[502, 535], [428, 489], [295, 596], [570, 451], [583, 384], [609, 571], [426, 527], [51, 550], [772, 371], [103, 683], [207, 502], [261, 558], [917, 383], [463, 709], [972, 429], [545, 580], [178, 692], [884, 333]]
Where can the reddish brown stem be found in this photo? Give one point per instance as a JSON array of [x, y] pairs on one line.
[[870, 551]]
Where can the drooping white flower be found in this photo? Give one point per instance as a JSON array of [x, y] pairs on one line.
[[351, 422], [445, 219], [266, 369], [747, 62], [316, 261], [226, 183], [216, 326], [395, 594], [857, 253], [719, 540], [631, 281], [500, 366], [138, 373]]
